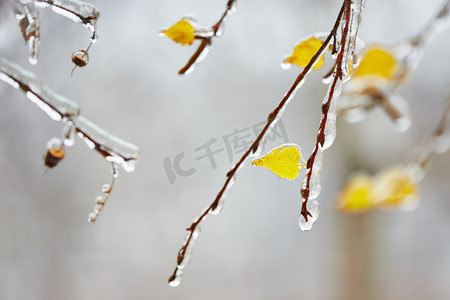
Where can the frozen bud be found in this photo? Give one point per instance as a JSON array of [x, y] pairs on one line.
[[80, 58], [55, 152]]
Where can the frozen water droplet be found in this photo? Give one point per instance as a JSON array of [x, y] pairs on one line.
[[313, 209], [54, 143], [98, 208], [100, 200], [69, 135], [285, 65], [115, 171], [106, 188], [80, 58], [92, 217], [402, 124], [175, 279]]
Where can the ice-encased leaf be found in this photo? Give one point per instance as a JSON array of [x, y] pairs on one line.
[[181, 32], [378, 62], [284, 161], [304, 51]]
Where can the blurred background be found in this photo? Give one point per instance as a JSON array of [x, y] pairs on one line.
[[254, 249]]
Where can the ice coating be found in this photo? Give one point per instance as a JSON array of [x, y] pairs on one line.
[[197, 58], [331, 99], [55, 105], [314, 209], [111, 147], [184, 254], [78, 11]]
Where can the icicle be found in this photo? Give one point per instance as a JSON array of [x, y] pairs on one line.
[[176, 278], [29, 23], [314, 209], [78, 11]]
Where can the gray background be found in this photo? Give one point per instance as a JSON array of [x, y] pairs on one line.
[[254, 249]]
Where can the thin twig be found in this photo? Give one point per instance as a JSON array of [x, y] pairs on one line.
[[206, 41]]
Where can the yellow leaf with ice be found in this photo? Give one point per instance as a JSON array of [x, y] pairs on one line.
[[283, 161], [378, 62], [396, 189], [181, 32], [357, 195], [304, 51]]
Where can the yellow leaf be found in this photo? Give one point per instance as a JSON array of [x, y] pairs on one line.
[[357, 195], [304, 51], [378, 62], [393, 188], [283, 161], [181, 32]]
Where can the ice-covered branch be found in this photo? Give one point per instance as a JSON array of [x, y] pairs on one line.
[[384, 69], [59, 108], [29, 21], [344, 48], [216, 206], [437, 142], [396, 187], [410, 51], [186, 31], [56, 106]]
